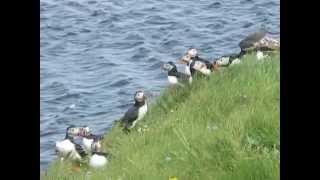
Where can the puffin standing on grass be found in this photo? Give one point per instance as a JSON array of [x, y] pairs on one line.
[[135, 112], [98, 158], [89, 140], [195, 63], [228, 60], [68, 148], [175, 77]]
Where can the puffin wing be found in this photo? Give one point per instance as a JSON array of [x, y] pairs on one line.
[[131, 115], [206, 62], [80, 150]]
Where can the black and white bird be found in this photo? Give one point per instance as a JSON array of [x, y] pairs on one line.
[[68, 148], [228, 60], [259, 42], [175, 77], [98, 159], [89, 140], [75, 131], [136, 112], [195, 63]]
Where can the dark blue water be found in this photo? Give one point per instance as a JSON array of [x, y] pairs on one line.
[[96, 53]]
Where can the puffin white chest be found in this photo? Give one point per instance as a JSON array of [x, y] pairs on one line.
[[235, 61], [142, 111], [205, 71], [172, 79], [187, 70], [260, 55], [87, 144], [223, 61], [98, 161], [65, 147], [200, 66]]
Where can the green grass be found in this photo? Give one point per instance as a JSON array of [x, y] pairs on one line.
[[226, 127]]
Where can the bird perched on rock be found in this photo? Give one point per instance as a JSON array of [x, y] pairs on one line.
[[135, 112]]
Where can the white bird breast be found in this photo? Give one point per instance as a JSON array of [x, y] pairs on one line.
[[190, 80], [223, 61], [172, 79], [260, 55], [187, 70], [205, 71], [97, 161], [142, 111], [65, 147], [87, 143], [235, 61]]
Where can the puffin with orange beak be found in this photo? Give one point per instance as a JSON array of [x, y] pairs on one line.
[[195, 63], [174, 76], [136, 112]]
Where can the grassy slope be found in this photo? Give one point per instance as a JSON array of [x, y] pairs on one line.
[[223, 128]]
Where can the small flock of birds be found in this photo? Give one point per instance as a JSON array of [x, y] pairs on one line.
[[260, 43], [90, 146], [70, 149]]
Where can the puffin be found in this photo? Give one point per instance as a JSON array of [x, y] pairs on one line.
[[89, 140], [78, 131], [98, 158], [68, 148], [259, 42], [135, 112], [195, 63], [228, 60], [175, 77]]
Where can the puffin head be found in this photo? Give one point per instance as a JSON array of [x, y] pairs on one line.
[[168, 66], [186, 58], [84, 131], [192, 52], [78, 131], [139, 96]]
